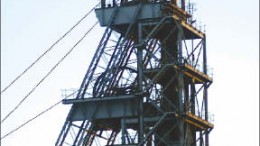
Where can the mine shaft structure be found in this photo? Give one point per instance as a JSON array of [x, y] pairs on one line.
[[147, 83]]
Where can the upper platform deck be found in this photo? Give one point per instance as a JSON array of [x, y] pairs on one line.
[[122, 16]]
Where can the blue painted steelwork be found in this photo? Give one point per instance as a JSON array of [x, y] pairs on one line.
[[143, 88]]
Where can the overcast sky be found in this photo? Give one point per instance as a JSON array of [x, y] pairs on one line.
[[29, 27]]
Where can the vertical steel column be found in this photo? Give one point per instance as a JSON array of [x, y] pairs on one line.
[[123, 127], [181, 107], [205, 88], [140, 82], [179, 42], [180, 89], [183, 5], [193, 109], [201, 139]]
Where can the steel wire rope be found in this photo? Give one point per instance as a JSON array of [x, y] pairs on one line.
[[52, 69], [48, 50], [38, 115], [14, 130]]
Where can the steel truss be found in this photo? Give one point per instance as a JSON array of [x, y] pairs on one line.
[[143, 86]]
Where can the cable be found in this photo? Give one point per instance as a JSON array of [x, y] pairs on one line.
[[31, 119], [48, 50], [54, 67], [41, 113]]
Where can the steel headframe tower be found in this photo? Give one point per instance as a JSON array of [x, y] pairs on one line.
[[144, 85]]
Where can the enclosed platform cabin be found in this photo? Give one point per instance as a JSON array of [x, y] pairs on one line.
[[150, 11]]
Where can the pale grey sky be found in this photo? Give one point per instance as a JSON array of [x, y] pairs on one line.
[[29, 27]]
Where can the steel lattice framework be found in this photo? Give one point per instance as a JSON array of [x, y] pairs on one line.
[[144, 85]]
